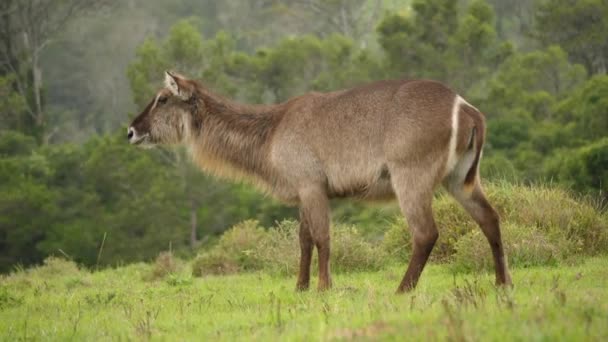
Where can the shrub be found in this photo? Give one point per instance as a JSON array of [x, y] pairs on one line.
[[248, 247], [541, 225], [214, 262], [164, 265], [397, 242], [351, 252], [452, 221], [55, 266], [524, 246], [556, 212], [237, 250], [280, 252], [576, 225]]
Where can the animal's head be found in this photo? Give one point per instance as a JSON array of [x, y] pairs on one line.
[[166, 119]]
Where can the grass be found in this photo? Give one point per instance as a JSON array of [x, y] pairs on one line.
[[58, 301], [242, 287]]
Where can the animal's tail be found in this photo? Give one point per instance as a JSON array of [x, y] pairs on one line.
[[478, 136]]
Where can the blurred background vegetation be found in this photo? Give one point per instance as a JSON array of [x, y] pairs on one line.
[[74, 72]]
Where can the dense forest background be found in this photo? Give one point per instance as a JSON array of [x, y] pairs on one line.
[[74, 72]]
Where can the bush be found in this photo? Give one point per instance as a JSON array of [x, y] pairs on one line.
[[237, 250], [55, 266], [555, 212], [280, 252], [541, 225], [397, 242], [524, 246], [577, 226], [164, 265], [351, 252], [248, 247], [215, 262], [452, 221]]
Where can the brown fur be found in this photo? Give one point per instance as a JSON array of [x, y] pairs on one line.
[[381, 140]]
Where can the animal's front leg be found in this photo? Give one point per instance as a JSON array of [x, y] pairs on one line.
[[306, 246], [314, 213]]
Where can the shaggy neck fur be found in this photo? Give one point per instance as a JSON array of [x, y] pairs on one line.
[[231, 139]]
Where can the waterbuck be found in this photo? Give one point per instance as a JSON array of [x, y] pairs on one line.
[[381, 140]]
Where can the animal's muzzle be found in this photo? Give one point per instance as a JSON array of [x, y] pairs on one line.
[[135, 138]]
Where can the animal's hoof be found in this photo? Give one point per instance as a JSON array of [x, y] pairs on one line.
[[322, 287], [301, 287], [403, 290], [505, 284]]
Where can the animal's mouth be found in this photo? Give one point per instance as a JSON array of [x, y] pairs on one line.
[[141, 140]]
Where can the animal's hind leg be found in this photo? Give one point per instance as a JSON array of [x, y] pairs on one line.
[[415, 199], [477, 205], [314, 213]]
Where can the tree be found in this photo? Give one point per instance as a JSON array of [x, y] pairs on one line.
[[532, 81], [296, 65], [27, 204], [584, 169], [474, 49], [514, 17], [350, 18], [28, 27], [579, 27], [440, 42], [416, 44], [12, 104], [586, 109]]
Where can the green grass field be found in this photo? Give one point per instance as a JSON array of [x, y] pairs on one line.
[[60, 302]]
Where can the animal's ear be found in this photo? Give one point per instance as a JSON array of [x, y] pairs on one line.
[[179, 85]]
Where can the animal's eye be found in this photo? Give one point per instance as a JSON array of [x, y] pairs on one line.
[[162, 100]]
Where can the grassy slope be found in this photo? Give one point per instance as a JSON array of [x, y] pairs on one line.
[[63, 303]]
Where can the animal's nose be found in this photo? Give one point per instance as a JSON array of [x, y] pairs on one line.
[[130, 133]]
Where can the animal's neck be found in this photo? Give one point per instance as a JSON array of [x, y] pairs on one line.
[[232, 139]]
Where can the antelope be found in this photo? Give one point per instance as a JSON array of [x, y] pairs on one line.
[[388, 139]]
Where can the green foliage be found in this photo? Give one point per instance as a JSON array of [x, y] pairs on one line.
[[532, 82], [397, 241], [351, 252], [236, 250], [55, 266], [565, 227], [440, 42], [23, 191], [452, 222], [584, 169], [107, 203], [579, 27], [525, 246], [585, 110], [13, 143], [540, 82], [165, 266], [541, 226], [249, 247], [558, 213], [12, 105]]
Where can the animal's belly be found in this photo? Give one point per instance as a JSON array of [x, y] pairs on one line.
[[372, 185]]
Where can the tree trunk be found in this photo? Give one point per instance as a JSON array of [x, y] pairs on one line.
[[193, 223], [37, 92]]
